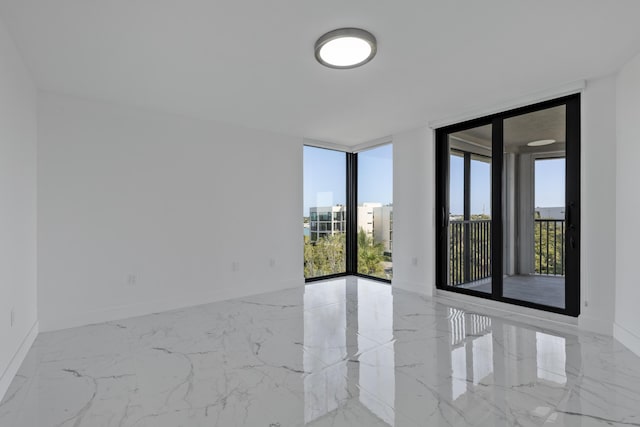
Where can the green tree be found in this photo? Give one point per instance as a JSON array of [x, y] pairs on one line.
[[370, 256], [325, 256]]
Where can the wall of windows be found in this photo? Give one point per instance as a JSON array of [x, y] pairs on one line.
[[348, 213]]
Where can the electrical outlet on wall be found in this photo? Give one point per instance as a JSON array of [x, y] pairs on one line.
[[132, 279], [272, 262], [235, 266]]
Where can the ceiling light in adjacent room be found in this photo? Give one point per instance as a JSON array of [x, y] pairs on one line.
[[541, 142], [345, 48]]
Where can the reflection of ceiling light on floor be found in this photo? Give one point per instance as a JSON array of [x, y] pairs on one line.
[[541, 411], [541, 142]]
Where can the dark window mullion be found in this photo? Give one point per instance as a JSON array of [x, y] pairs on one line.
[[497, 143], [467, 218], [572, 241], [352, 214], [444, 276]]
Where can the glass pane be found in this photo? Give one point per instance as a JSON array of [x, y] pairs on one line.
[[324, 210], [534, 207], [470, 209], [456, 185], [375, 212]]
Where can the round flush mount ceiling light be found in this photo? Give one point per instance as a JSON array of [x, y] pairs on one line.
[[345, 48], [541, 142]]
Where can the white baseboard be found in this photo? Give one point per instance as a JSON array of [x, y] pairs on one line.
[[421, 288], [627, 338], [107, 314], [598, 326], [17, 359]]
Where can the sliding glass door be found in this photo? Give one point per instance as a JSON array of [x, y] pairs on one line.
[[508, 190]]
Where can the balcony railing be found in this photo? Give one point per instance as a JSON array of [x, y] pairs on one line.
[[470, 249], [549, 246]]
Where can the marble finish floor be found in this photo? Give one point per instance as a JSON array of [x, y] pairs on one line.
[[347, 352]]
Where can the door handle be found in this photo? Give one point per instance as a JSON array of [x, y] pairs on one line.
[[570, 223]]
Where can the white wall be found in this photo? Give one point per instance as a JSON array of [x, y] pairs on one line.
[[413, 211], [598, 197], [18, 138], [627, 319], [173, 201]]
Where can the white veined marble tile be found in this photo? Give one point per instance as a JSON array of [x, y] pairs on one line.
[[346, 352]]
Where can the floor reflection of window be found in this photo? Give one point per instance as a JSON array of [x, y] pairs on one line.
[[458, 353], [472, 349], [325, 325], [456, 317], [482, 357], [459, 372], [551, 358], [377, 366], [479, 324]]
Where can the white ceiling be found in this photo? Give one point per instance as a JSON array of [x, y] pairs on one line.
[[251, 62]]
